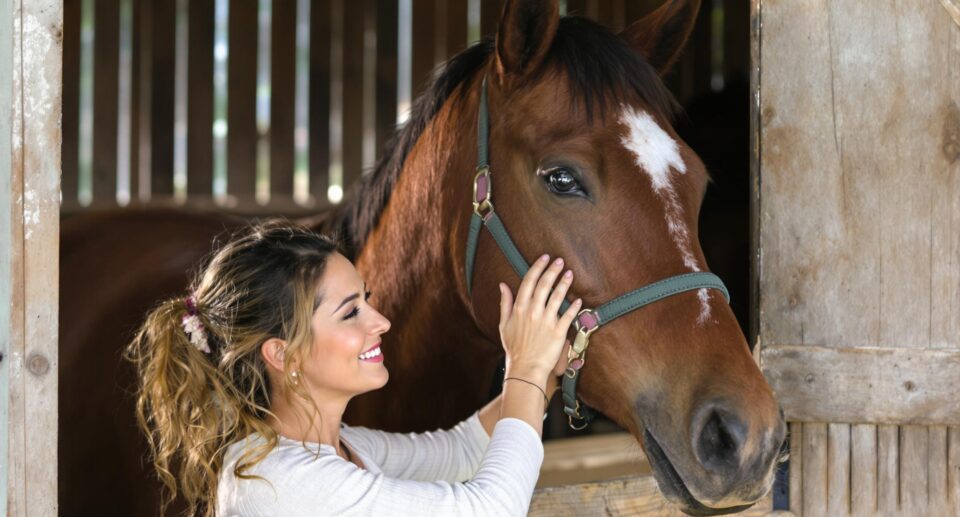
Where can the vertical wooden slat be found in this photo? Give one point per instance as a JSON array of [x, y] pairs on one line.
[[796, 469], [242, 101], [423, 46], [838, 469], [456, 27], [386, 71], [937, 471], [319, 99], [815, 481], [71, 102], [577, 8], [200, 99], [353, 34], [162, 94], [283, 67], [863, 469], [888, 460], [953, 469], [105, 66], [490, 11], [914, 447], [30, 91]]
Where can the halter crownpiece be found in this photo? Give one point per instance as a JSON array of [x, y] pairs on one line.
[[588, 320]]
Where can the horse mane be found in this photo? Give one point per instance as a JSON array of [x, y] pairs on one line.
[[602, 70]]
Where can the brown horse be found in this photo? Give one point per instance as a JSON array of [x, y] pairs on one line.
[[586, 166]]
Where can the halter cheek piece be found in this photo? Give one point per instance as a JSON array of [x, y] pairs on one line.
[[588, 320]]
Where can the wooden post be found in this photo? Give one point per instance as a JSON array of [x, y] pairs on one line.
[[30, 91]]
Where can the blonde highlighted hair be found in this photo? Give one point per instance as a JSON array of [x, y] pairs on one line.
[[192, 405]]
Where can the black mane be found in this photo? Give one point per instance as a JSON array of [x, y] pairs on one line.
[[601, 69]]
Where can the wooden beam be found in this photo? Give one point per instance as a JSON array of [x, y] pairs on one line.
[[30, 137], [637, 495], [864, 385], [591, 458]]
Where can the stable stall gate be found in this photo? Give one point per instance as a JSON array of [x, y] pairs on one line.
[[856, 132]]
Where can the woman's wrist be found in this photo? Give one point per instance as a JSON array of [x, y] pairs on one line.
[[530, 372]]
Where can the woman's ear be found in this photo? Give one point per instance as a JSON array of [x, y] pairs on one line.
[[272, 352]]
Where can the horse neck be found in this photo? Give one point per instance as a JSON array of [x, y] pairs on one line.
[[413, 260]]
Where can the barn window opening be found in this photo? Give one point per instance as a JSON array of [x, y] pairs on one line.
[[85, 133], [125, 100], [264, 42], [220, 54], [405, 59], [301, 132], [180, 103]]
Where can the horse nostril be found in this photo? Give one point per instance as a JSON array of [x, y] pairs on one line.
[[719, 440]]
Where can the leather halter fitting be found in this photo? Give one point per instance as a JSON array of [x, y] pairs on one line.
[[588, 320]]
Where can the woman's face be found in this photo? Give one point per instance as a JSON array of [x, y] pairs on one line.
[[344, 358]]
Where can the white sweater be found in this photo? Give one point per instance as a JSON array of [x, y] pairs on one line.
[[460, 471]]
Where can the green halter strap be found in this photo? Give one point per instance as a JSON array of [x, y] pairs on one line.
[[589, 320]]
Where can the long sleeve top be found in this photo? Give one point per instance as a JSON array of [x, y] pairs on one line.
[[460, 471]]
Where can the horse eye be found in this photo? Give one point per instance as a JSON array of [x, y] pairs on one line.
[[561, 181]]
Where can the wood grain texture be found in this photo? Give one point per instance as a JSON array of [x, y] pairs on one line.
[[879, 385], [30, 110], [857, 219], [629, 496], [591, 458]]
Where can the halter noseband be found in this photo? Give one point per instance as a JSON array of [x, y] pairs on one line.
[[588, 320]]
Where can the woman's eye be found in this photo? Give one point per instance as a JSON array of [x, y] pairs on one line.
[[356, 310], [562, 181]]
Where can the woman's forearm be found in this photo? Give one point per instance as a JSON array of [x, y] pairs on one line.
[[490, 413]]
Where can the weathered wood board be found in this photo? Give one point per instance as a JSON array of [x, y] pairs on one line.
[[856, 151]]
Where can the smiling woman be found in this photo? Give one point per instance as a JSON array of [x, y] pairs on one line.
[[244, 382]]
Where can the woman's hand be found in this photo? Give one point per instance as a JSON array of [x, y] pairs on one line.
[[532, 333]]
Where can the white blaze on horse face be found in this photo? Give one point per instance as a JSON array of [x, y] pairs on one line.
[[658, 155]]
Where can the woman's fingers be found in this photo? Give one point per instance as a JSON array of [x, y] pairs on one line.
[[544, 286], [558, 294], [529, 282], [564, 323], [506, 303]]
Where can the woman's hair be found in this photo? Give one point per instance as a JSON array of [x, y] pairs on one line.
[[192, 404]]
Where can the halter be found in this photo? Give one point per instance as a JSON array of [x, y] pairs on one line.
[[588, 320]]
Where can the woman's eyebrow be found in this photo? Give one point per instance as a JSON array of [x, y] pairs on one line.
[[348, 299]]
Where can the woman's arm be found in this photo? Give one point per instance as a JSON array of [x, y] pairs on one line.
[[490, 413]]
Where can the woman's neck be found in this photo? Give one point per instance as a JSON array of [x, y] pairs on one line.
[[290, 421]]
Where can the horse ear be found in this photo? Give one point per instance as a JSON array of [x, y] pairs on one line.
[[526, 31], [662, 34]]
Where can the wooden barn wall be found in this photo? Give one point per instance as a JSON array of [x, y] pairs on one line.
[[857, 204], [353, 90]]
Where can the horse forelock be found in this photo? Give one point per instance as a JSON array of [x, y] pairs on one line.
[[602, 72]]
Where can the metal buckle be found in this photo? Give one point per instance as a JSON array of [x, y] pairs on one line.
[[582, 341], [484, 207], [578, 416]]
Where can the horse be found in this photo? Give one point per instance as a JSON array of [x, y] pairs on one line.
[[587, 167]]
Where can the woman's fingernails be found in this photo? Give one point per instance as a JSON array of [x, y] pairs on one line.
[[544, 257], [579, 301], [558, 261], [568, 274]]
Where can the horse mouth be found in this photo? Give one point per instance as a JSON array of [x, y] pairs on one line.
[[672, 485]]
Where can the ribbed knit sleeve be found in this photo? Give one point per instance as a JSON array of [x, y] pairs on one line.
[[298, 483], [442, 455]]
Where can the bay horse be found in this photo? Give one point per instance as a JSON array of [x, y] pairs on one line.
[[587, 167]]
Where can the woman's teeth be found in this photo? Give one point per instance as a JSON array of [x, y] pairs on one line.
[[370, 354]]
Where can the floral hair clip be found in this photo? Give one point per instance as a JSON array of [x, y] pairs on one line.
[[194, 327]]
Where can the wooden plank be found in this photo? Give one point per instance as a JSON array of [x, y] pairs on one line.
[[591, 458], [490, 11], [319, 147], [888, 473], [914, 447], [353, 106], [880, 385], [815, 479], [838, 469], [143, 92], [242, 103], [423, 58], [106, 21], [938, 455], [283, 69], [863, 469], [953, 472], [163, 53], [200, 98], [71, 103], [386, 91], [629, 496], [796, 468], [30, 104], [455, 28]]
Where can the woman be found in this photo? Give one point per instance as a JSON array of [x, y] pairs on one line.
[[243, 384]]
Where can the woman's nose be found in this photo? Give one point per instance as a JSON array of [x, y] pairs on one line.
[[381, 325]]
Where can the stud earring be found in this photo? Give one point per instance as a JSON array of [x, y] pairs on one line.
[[296, 377]]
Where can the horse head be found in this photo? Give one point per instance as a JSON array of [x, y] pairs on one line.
[[585, 165]]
